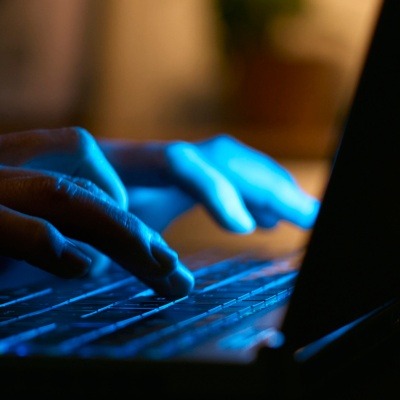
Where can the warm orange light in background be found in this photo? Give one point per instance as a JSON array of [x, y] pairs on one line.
[[41, 59], [158, 70]]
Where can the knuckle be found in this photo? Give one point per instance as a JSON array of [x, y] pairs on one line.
[[223, 139], [72, 135], [86, 184], [91, 189], [177, 152], [78, 139], [178, 146], [85, 141], [58, 189], [220, 144]]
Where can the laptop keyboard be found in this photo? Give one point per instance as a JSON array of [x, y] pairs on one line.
[[118, 316]]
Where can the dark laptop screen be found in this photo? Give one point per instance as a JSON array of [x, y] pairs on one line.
[[352, 265]]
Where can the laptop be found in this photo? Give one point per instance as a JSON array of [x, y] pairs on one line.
[[293, 326]]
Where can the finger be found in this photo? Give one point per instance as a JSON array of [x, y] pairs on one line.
[[111, 230], [39, 243], [95, 167], [206, 183], [7, 173], [284, 199], [90, 187], [263, 182], [72, 151], [290, 203]]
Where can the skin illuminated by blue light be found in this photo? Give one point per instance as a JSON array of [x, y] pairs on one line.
[[239, 186], [267, 188], [88, 162], [206, 182]]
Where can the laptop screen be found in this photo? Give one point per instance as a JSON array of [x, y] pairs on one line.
[[351, 266]]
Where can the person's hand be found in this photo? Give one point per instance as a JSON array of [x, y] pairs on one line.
[[58, 193], [240, 187], [270, 193]]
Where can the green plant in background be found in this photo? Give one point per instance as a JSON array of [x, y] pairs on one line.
[[245, 22]]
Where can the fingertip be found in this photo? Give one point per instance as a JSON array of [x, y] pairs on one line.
[[232, 214], [241, 224], [309, 213]]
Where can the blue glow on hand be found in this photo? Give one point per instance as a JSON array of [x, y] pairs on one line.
[[240, 187]]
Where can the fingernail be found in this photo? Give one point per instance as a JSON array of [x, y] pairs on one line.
[[78, 263]]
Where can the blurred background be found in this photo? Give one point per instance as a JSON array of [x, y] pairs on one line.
[[277, 74]]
